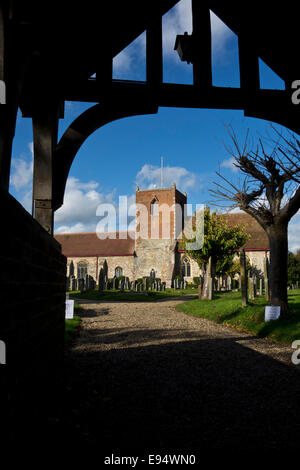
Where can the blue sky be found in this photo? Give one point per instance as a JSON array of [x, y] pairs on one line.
[[128, 152]]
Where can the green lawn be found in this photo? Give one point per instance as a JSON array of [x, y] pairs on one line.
[[72, 325], [128, 296], [226, 309]]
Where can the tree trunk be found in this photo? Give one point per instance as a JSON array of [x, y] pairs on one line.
[[278, 272], [209, 276], [205, 282]]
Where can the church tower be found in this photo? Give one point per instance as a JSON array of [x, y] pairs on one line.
[[159, 221]]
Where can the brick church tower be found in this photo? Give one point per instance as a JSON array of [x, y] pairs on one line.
[[159, 221]]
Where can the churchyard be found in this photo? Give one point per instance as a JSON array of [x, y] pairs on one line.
[[226, 309]]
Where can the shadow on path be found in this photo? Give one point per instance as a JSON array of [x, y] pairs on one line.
[[179, 396]]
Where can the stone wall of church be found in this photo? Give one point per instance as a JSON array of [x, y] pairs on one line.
[[256, 259], [158, 255], [95, 263], [124, 262]]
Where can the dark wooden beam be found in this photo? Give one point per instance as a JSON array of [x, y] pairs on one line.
[[154, 58], [45, 128], [249, 65], [202, 61]]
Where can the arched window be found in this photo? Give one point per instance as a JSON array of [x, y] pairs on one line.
[[82, 269], [118, 271], [186, 268], [154, 208]]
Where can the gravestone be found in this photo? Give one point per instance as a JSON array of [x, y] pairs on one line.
[[101, 281], [251, 288], [81, 285], [73, 283]]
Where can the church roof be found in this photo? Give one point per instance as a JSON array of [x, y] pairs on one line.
[[88, 244], [259, 239]]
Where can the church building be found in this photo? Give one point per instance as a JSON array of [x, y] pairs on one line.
[[152, 249]]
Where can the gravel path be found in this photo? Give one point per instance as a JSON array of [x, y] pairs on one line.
[[146, 377]]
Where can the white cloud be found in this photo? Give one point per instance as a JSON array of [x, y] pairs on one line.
[[78, 212], [229, 163], [150, 177], [22, 170]]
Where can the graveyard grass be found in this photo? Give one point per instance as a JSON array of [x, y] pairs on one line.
[[130, 296], [72, 325], [226, 309]]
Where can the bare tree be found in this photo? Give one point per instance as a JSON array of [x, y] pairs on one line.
[[270, 192]]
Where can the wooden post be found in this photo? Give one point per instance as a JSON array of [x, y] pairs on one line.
[[45, 127], [202, 63], [243, 278]]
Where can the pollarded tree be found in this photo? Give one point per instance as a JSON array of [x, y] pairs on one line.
[[220, 243], [270, 193]]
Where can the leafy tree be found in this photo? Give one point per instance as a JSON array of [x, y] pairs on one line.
[[220, 243], [293, 269], [270, 192]]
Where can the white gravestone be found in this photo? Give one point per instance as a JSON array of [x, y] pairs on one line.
[[272, 313], [69, 309]]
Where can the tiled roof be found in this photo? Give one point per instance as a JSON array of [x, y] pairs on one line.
[[259, 239], [88, 244]]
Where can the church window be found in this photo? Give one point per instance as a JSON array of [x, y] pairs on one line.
[[118, 271], [186, 268], [82, 269], [154, 208]]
